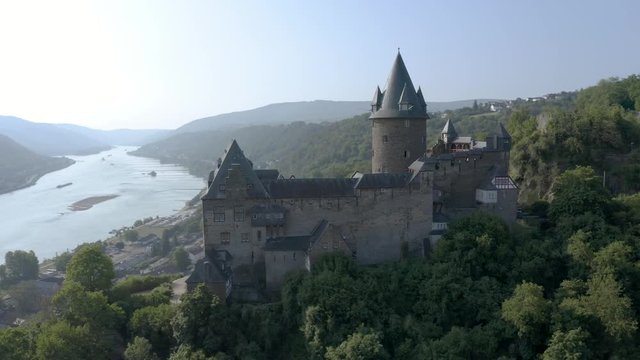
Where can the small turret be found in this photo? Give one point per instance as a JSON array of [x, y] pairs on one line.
[[377, 100], [448, 133]]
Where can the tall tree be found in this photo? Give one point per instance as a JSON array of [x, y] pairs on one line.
[[577, 192], [91, 268], [21, 265]]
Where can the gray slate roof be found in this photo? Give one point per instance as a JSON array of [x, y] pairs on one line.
[[502, 132], [449, 130], [310, 188], [399, 89], [211, 274], [267, 174], [235, 157], [381, 180], [296, 243], [288, 243]]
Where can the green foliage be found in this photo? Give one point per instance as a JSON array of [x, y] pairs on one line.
[[599, 129], [185, 352], [180, 258], [91, 268], [526, 309], [569, 345], [74, 304], [140, 349], [577, 192], [358, 346], [480, 245], [131, 235], [154, 323], [61, 261], [17, 343], [26, 297], [20, 265], [192, 317], [62, 341], [135, 284]]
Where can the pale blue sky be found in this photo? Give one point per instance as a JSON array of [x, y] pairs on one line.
[[160, 64]]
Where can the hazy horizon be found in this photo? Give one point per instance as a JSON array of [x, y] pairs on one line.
[[161, 64]]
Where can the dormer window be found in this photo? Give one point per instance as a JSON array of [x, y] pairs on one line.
[[405, 107], [222, 188]]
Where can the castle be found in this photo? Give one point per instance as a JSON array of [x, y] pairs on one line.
[[259, 226]]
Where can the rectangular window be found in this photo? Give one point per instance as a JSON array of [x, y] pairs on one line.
[[225, 237], [244, 237], [259, 235], [385, 139], [407, 123], [424, 139], [238, 213], [218, 214]]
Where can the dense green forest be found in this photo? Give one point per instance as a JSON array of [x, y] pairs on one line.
[[563, 286]]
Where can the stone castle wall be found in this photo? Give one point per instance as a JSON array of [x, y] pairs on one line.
[[405, 142]]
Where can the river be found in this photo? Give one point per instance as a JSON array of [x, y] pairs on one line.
[[38, 218]]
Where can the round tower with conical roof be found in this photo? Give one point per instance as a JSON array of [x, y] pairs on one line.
[[399, 122]]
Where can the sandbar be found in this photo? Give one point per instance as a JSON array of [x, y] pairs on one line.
[[86, 204]]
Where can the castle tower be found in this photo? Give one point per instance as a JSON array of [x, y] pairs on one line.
[[448, 133], [398, 120]]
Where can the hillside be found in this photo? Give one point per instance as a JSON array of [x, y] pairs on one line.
[[306, 111], [302, 149], [48, 139], [20, 167], [126, 137], [597, 127]]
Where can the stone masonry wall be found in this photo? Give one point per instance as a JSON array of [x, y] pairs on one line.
[[403, 143]]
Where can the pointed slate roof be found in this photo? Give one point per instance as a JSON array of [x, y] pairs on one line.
[[449, 130], [503, 133], [234, 158], [399, 90], [377, 99], [421, 98]]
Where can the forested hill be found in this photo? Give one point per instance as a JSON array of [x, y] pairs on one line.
[[598, 128], [303, 149], [20, 167]]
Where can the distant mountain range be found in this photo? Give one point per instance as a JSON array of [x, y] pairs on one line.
[[65, 139], [20, 167], [307, 111]]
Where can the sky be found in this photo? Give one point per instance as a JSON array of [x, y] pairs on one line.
[[162, 63]]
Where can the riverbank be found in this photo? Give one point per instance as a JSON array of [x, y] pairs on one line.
[[13, 180]]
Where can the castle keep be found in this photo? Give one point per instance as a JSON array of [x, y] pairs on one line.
[[259, 226]]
